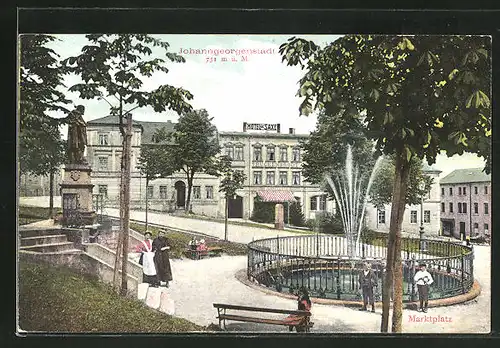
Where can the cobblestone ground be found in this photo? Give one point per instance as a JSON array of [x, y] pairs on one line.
[[199, 284]]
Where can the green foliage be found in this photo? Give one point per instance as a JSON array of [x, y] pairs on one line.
[[263, 211], [232, 180], [57, 299], [382, 186], [326, 223], [41, 150], [296, 215], [194, 148], [420, 94]]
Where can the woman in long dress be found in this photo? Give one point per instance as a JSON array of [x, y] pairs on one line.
[[149, 274], [161, 258]]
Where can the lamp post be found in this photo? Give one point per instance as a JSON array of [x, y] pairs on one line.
[[422, 243]]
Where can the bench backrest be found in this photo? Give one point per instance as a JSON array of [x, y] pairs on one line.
[[260, 309]]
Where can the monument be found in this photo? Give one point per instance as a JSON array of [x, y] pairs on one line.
[[76, 188]]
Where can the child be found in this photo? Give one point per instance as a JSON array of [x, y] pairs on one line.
[[423, 279]]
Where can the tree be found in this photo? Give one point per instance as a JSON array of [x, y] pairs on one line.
[[421, 95], [112, 68], [194, 148], [41, 150], [383, 184], [232, 181]]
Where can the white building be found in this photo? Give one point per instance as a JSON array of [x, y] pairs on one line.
[[427, 214], [271, 160]]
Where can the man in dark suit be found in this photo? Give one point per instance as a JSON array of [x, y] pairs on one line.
[[367, 281]]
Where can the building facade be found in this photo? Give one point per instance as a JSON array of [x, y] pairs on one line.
[[426, 214], [271, 161], [466, 203]]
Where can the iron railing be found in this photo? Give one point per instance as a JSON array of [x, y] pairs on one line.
[[322, 265]]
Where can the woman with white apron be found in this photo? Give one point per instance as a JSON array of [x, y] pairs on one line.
[[147, 260]]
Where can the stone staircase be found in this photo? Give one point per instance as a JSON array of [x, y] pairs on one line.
[[46, 241]]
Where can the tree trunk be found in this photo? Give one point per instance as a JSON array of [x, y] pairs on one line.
[[147, 201], [394, 272], [190, 176], [126, 205], [225, 219], [51, 195]]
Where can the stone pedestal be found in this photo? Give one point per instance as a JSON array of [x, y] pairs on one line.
[[76, 195], [279, 215]]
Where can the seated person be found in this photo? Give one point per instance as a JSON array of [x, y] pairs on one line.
[[202, 246], [303, 304], [193, 243]]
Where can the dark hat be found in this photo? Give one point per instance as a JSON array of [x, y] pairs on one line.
[[421, 264], [147, 232]]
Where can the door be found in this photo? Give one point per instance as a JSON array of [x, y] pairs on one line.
[[462, 230], [235, 207], [180, 188]]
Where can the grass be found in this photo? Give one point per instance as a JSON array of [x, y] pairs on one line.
[[28, 215], [179, 241], [60, 300]]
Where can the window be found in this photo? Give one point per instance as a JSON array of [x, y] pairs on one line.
[[475, 190], [150, 191], [230, 152], [442, 207], [459, 191], [103, 190], [283, 154], [381, 216], [257, 154], [314, 203], [238, 154], [476, 208], [295, 178], [163, 192], [486, 209], [210, 192], [486, 190], [451, 191], [196, 192], [464, 208], [459, 207], [322, 202], [257, 178], [451, 207], [103, 163], [270, 153], [427, 216], [464, 190], [296, 154], [283, 178], [103, 139], [270, 178], [413, 217], [442, 191], [486, 229]]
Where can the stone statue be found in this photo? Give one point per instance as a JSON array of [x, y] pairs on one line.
[[77, 135]]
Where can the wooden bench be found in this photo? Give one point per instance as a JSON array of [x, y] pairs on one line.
[[200, 254], [298, 319]]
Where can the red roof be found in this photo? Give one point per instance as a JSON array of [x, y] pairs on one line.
[[276, 196]]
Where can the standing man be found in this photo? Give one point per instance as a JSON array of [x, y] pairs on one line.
[[423, 279], [367, 281], [161, 258]]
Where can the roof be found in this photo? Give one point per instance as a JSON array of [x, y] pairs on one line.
[[148, 128], [276, 196], [429, 168], [468, 175]]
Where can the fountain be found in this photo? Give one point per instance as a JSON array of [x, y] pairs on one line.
[[348, 190]]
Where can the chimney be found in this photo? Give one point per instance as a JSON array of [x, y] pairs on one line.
[[291, 130]]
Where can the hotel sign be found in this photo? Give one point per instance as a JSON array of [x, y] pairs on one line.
[[261, 127]]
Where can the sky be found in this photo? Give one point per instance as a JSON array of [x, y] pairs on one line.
[[254, 88]]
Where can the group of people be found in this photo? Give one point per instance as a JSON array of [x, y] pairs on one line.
[[155, 260], [198, 245], [368, 281]]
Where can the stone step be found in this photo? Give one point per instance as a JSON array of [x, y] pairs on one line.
[[48, 239], [47, 248], [27, 233]]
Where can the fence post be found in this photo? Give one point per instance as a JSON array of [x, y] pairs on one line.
[[462, 269], [338, 279]]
